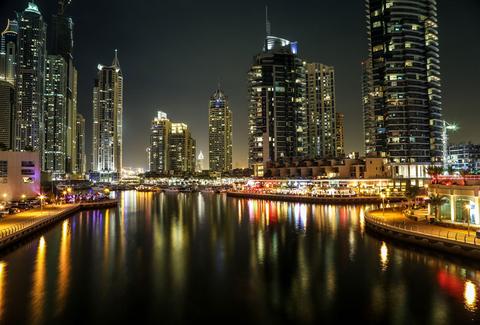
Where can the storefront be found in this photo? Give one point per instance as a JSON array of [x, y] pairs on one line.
[[461, 204]]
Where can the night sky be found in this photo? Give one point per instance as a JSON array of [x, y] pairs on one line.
[[173, 53]]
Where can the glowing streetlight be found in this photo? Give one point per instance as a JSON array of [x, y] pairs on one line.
[[467, 207], [41, 198], [383, 203], [23, 197]]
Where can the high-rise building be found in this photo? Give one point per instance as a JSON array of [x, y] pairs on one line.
[[219, 133], [369, 120], [107, 121], [159, 143], [29, 129], [277, 109], [182, 150], [60, 45], [340, 134], [8, 52], [81, 153], [56, 128], [464, 156], [7, 106], [405, 84], [321, 111]]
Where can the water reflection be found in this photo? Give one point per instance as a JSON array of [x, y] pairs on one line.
[[163, 256], [384, 256], [63, 267], [470, 296], [3, 271], [38, 285]]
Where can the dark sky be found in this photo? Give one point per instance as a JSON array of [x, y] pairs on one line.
[[173, 52]]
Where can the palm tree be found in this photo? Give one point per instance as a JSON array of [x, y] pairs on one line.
[[411, 193], [434, 172], [464, 173], [437, 200]]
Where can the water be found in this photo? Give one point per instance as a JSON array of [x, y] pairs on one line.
[[167, 258]]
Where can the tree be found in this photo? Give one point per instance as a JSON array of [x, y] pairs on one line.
[[436, 200], [464, 173], [411, 193]]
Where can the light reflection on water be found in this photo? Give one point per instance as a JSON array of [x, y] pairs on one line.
[[164, 256]]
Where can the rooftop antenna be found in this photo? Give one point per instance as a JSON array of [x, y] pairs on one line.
[[267, 22]]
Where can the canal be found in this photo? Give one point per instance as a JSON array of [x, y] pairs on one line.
[[181, 258]]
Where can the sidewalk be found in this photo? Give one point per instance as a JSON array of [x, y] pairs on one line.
[[397, 219], [12, 223]]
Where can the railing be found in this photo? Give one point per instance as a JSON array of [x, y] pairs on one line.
[[415, 229]]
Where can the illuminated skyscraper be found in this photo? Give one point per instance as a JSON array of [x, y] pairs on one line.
[[8, 52], [405, 84], [182, 150], [159, 143], [56, 127], [340, 134], [277, 109], [219, 133], [369, 120], [60, 50], [321, 110], [30, 80], [7, 106], [81, 160], [107, 121]]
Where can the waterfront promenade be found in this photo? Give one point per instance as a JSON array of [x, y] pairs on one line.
[[18, 226], [393, 223]]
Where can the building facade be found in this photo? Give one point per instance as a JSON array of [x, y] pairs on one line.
[[19, 175], [277, 107], [56, 127], [7, 106], [340, 134], [8, 52], [182, 150], [405, 84], [30, 80], [107, 121], [464, 156], [159, 144], [369, 120], [321, 110], [81, 160], [219, 133]]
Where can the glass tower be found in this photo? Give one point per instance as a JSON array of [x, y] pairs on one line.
[[219, 133]]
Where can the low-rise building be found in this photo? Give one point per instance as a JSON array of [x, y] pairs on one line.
[[19, 175], [461, 203], [330, 168]]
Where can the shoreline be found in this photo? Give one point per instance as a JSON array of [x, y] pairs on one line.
[[314, 200], [435, 237], [21, 231]]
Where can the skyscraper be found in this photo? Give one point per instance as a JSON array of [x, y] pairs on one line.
[[60, 46], [405, 87], [159, 143], [107, 121], [29, 129], [7, 106], [340, 134], [321, 110], [81, 160], [182, 150], [8, 52], [369, 120], [219, 133], [277, 109], [56, 127]]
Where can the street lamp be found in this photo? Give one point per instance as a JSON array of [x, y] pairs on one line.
[[23, 197], [467, 207], [383, 204], [42, 197]]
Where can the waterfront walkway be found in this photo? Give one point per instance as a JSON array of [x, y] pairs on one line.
[[397, 219], [393, 223], [17, 226]]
